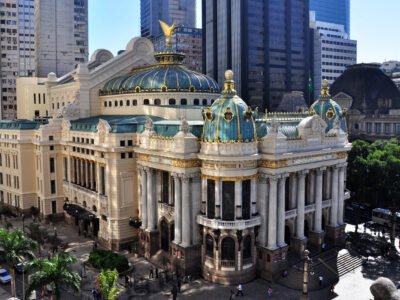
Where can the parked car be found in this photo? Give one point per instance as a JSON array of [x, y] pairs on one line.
[[4, 276]]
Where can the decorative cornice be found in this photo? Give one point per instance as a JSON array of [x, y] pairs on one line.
[[186, 163], [220, 178], [144, 157], [273, 164]]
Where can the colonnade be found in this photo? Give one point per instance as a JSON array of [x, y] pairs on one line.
[[218, 205], [272, 201], [186, 205], [87, 173]]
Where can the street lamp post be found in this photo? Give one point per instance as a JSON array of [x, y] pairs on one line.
[[306, 272]]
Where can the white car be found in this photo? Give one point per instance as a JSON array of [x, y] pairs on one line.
[[4, 276]]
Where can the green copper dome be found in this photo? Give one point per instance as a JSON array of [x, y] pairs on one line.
[[328, 110], [168, 75], [229, 119]]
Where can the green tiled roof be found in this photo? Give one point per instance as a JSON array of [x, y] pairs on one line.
[[19, 124]]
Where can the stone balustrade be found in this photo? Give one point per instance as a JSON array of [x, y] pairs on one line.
[[221, 224]]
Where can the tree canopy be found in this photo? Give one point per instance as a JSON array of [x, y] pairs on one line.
[[373, 173]]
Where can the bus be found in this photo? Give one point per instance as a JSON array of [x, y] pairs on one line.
[[384, 216]]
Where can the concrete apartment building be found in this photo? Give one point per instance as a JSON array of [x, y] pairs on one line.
[[39, 37], [333, 51], [61, 35]]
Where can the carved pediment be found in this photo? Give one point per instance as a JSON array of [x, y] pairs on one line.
[[103, 128]]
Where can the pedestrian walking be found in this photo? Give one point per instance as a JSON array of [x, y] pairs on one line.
[[151, 273], [174, 292], [179, 284], [239, 290], [269, 292], [321, 280], [156, 272]]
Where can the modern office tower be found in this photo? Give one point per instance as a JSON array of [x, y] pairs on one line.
[[61, 35], [332, 11], [17, 47], [333, 51], [178, 12], [186, 40], [264, 42]]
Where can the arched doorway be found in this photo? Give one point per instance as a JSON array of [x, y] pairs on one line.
[[164, 235], [247, 249], [287, 235], [228, 249], [306, 228]]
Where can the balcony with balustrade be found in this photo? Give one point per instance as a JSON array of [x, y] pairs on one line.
[[222, 224]]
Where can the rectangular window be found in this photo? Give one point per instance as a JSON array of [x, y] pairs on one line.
[[210, 199], [377, 128], [65, 169], [53, 186], [369, 127], [123, 155], [246, 199], [130, 143], [228, 200], [397, 130], [387, 128], [122, 143], [52, 167], [34, 98], [1, 178], [51, 138], [103, 180], [165, 187], [53, 207]]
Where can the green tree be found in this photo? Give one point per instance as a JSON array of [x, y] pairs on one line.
[[374, 175], [37, 234], [107, 282], [14, 246], [56, 271]]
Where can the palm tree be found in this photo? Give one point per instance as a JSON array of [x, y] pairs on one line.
[[14, 247], [107, 282], [56, 271]]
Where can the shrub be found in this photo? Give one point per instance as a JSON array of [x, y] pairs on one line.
[[105, 259]]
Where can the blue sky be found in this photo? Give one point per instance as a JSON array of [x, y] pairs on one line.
[[374, 24]]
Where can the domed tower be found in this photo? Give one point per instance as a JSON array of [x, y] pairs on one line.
[[328, 110], [228, 217]]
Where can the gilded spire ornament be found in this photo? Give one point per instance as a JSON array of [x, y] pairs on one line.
[[325, 90], [168, 32]]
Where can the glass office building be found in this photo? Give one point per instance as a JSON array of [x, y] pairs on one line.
[[178, 12], [332, 11], [264, 42]]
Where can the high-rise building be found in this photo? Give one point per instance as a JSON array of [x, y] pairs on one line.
[[61, 35], [17, 46], [332, 11], [265, 43], [178, 12], [333, 51], [186, 40]]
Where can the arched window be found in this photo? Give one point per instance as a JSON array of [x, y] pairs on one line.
[[209, 246], [228, 249], [105, 103], [137, 89], [109, 103], [157, 102], [171, 101], [121, 103], [134, 102], [128, 102], [196, 102], [204, 101], [94, 208], [164, 89], [183, 101], [191, 89], [146, 102], [247, 247], [84, 204], [115, 103]]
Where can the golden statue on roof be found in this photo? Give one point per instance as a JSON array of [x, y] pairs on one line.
[[168, 32]]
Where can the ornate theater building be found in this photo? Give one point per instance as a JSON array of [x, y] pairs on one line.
[[139, 139]]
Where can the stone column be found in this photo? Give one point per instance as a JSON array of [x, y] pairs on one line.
[[97, 171], [272, 212], [186, 212], [341, 194], [204, 196], [72, 167], [218, 194], [311, 187], [87, 185], [327, 185], [178, 209], [262, 198], [334, 202], [238, 200], [253, 197], [143, 196], [300, 204], [318, 200], [151, 205], [81, 167], [196, 204], [281, 210], [293, 191]]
